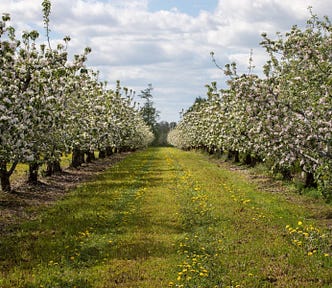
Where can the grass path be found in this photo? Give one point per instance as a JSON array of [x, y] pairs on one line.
[[168, 218]]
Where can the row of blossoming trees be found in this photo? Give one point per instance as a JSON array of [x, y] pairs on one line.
[[284, 118], [50, 105]]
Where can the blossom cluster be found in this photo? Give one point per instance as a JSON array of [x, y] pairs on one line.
[[283, 118]]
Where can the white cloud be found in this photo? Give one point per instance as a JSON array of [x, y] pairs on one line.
[[169, 49]]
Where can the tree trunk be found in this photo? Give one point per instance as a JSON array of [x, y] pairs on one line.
[[52, 167], [236, 156], [5, 182], [310, 180], [109, 151], [57, 166], [49, 168], [33, 173], [233, 155], [76, 160], [248, 159], [102, 154], [286, 174], [212, 150], [90, 156], [5, 175]]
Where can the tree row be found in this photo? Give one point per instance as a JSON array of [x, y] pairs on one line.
[[51, 105], [283, 118]]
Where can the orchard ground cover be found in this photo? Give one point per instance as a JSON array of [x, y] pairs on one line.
[[168, 218]]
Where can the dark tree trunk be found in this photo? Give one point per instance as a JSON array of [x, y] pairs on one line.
[[33, 173], [5, 182], [57, 166], [109, 151], [233, 156], [90, 156], [286, 174], [236, 156], [49, 168], [52, 167], [102, 154], [5, 175], [248, 160], [81, 157], [77, 160], [310, 180]]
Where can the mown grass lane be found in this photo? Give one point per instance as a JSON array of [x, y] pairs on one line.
[[167, 218]]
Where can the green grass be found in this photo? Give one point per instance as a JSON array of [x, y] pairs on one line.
[[168, 218]]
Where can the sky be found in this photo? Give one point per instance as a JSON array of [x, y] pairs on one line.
[[165, 43]]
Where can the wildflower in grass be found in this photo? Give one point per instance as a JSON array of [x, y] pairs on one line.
[[309, 238], [199, 247]]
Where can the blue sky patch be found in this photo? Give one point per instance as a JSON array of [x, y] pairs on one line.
[[191, 7]]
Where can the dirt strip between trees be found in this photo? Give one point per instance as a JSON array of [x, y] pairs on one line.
[[26, 200]]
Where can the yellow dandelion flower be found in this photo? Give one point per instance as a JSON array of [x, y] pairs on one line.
[[300, 223], [310, 253]]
